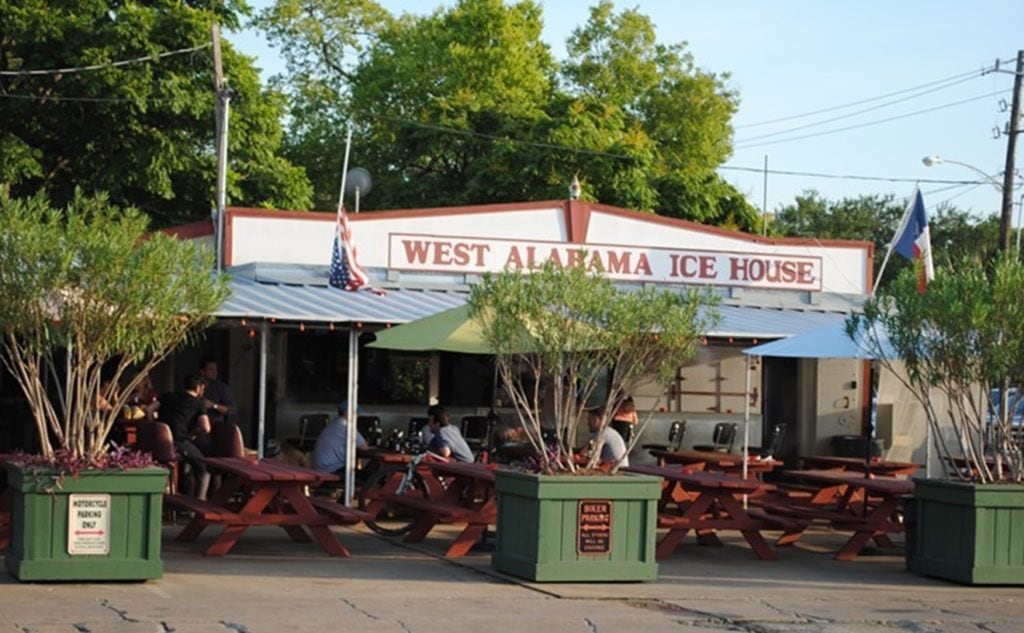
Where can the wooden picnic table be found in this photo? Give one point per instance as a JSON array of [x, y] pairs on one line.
[[712, 460], [712, 504], [849, 501], [468, 497], [264, 492], [877, 466]]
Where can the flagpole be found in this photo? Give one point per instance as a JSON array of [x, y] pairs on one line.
[[899, 231], [344, 172]]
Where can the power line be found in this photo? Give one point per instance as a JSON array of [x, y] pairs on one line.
[[810, 174], [78, 69], [856, 112], [759, 170], [86, 99], [876, 121], [870, 99]]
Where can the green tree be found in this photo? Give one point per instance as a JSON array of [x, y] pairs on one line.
[[466, 105], [143, 132], [958, 340], [875, 218], [569, 326], [88, 290]]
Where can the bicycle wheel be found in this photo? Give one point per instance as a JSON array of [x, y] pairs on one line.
[[390, 519]]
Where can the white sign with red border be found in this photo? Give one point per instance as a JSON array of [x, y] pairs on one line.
[[687, 266], [88, 524]]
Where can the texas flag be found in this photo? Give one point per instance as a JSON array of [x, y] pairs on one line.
[[914, 241]]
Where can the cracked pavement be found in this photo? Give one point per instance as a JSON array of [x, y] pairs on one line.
[[269, 583]]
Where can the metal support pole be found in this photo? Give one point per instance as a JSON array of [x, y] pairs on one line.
[[261, 411], [350, 415]]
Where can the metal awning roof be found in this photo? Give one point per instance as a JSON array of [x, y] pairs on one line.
[[301, 294]]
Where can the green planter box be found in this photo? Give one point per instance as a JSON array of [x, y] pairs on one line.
[[969, 533], [577, 528], [100, 526]]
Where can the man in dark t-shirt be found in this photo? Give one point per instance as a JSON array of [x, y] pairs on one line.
[[185, 413]]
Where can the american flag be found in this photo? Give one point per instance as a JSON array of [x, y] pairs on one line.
[[345, 272]]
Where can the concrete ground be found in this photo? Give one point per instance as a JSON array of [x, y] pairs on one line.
[[268, 583]]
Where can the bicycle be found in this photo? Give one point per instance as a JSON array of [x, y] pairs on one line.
[[415, 479]]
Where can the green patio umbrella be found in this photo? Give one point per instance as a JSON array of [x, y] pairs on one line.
[[450, 331]]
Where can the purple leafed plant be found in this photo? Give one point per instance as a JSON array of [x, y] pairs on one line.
[[64, 463]]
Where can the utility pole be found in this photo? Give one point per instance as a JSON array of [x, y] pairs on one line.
[[1011, 151], [223, 101]]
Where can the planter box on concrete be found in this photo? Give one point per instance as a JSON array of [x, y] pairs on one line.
[[102, 525], [577, 528], [969, 533]]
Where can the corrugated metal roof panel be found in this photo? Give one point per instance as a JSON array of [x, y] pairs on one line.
[[324, 304], [301, 293]]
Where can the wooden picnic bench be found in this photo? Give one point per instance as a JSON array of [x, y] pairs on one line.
[[884, 467], [712, 504], [261, 492], [468, 497], [848, 501], [713, 460]]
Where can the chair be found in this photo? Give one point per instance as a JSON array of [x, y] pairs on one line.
[[722, 438], [226, 440], [416, 425], [369, 427], [675, 438], [476, 429], [156, 439], [310, 426], [775, 440]]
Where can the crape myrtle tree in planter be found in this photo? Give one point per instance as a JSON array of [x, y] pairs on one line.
[[961, 342], [568, 332], [91, 303]]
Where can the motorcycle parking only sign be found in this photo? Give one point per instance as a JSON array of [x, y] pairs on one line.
[[88, 524]]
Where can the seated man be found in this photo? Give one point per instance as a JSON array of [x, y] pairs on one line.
[[185, 413], [446, 440], [331, 449], [613, 447]]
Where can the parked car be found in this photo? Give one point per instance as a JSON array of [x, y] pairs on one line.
[[1013, 399]]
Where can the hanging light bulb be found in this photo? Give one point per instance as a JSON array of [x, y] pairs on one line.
[[330, 327], [302, 327], [244, 323], [251, 333]]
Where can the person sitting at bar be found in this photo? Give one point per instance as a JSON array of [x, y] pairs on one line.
[[185, 412], [331, 448], [447, 440], [613, 447], [625, 419]]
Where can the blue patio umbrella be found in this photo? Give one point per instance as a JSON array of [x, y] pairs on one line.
[[831, 341]]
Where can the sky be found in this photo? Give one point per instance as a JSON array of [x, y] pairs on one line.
[[787, 58]]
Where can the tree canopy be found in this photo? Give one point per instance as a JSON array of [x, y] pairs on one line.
[[89, 295], [143, 132], [467, 105], [874, 218]]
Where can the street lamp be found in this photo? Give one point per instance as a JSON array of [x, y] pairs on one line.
[[932, 160], [1004, 221]]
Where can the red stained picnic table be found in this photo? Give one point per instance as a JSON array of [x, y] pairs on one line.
[[713, 460], [882, 467], [468, 497], [867, 506], [271, 493], [713, 504]]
